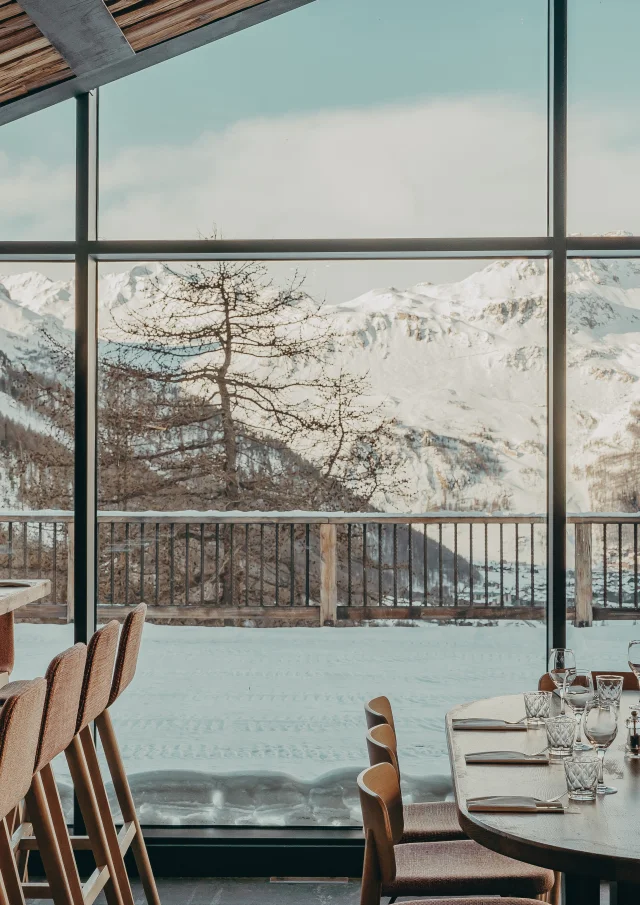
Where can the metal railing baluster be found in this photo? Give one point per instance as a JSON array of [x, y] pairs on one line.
[[517, 575], [620, 564], [202, 564], [395, 564], [292, 560], [187, 576], [410, 563], [307, 563], [471, 563], [501, 564], [455, 564], [604, 561], [364, 564], [349, 564]]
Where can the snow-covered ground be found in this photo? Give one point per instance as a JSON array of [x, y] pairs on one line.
[[265, 726]]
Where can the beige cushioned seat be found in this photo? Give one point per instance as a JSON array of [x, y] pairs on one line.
[[455, 868]]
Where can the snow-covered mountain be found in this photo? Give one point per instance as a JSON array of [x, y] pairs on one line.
[[460, 366]]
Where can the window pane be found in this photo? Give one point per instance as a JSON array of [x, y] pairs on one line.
[[414, 387], [338, 119], [37, 177], [36, 459], [603, 455], [604, 130]]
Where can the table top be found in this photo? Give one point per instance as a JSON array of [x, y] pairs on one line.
[[25, 592], [600, 838]]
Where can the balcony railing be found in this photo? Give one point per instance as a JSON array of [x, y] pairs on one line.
[[315, 568]]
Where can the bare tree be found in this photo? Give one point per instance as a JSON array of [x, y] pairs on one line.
[[259, 358]]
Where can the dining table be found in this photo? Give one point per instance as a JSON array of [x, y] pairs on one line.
[[590, 842], [14, 594]]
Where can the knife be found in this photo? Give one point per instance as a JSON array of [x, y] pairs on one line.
[[506, 757], [516, 804], [488, 725]]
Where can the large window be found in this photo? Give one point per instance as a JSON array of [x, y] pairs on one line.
[[330, 464]]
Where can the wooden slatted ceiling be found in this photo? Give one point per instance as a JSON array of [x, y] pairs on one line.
[[149, 22], [27, 60]]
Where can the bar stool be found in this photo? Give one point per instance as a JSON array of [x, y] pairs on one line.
[[20, 722], [131, 833], [429, 821], [71, 677], [431, 869]]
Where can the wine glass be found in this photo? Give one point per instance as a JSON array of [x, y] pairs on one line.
[[601, 727], [634, 660], [562, 668], [580, 695]]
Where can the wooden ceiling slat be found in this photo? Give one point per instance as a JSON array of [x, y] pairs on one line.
[[15, 25], [182, 18], [16, 52], [20, 38], [10, 11]]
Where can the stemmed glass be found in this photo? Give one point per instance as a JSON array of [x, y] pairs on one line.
[[634, 660], [562, 668], [580, 695], [601, 727]]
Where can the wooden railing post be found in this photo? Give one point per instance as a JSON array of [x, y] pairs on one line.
[[584, 585], [328, 575], [71, 555]]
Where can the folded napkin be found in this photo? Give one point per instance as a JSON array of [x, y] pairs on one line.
[[514, 804], [506, 757], [481, 724]]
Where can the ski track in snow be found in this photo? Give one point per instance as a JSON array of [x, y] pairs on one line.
[[266, 726]]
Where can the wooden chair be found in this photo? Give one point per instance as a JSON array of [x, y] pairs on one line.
[[431, 869], [77, 681], [378, 711], [20, 722], [629, 681], [125, 668], [429, 821]]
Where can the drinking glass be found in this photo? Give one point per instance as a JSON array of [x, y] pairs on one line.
[[561, 731], [634, 661], [601, 727], [580, 695], [581, 772], [609, 689], [537, 706], [562, 667]]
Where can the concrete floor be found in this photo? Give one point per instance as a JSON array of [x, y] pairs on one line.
[[251, 892]]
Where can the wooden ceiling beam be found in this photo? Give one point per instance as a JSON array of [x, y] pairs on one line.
[[83, 32]]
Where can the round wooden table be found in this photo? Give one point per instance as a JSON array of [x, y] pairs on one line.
[[596, 841]]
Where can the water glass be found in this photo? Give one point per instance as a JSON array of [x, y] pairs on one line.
[[562, 668], [561, 731], [609, 690], [581, 772], [601, 728], [537, 706]]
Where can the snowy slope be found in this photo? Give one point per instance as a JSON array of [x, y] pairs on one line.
[[460, 366]]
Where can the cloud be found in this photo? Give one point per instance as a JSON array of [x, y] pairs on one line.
[[442, 168]]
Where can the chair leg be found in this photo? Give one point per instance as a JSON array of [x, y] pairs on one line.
[[45, 834], [91, 757], [127, 806], [62, 833], [9, 868], [91, 816]]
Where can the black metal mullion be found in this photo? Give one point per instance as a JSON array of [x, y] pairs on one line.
[[557, 328]]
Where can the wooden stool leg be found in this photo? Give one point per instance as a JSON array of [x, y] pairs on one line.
[[48, 844], [91, 757], [127, 806], [62, 833], [91, 816], [9, 868]]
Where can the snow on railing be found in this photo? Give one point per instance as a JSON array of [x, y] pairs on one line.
[[327, 567]]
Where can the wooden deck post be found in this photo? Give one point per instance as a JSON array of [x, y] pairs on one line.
[[71, 556], [328, 575], [584, 586]]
